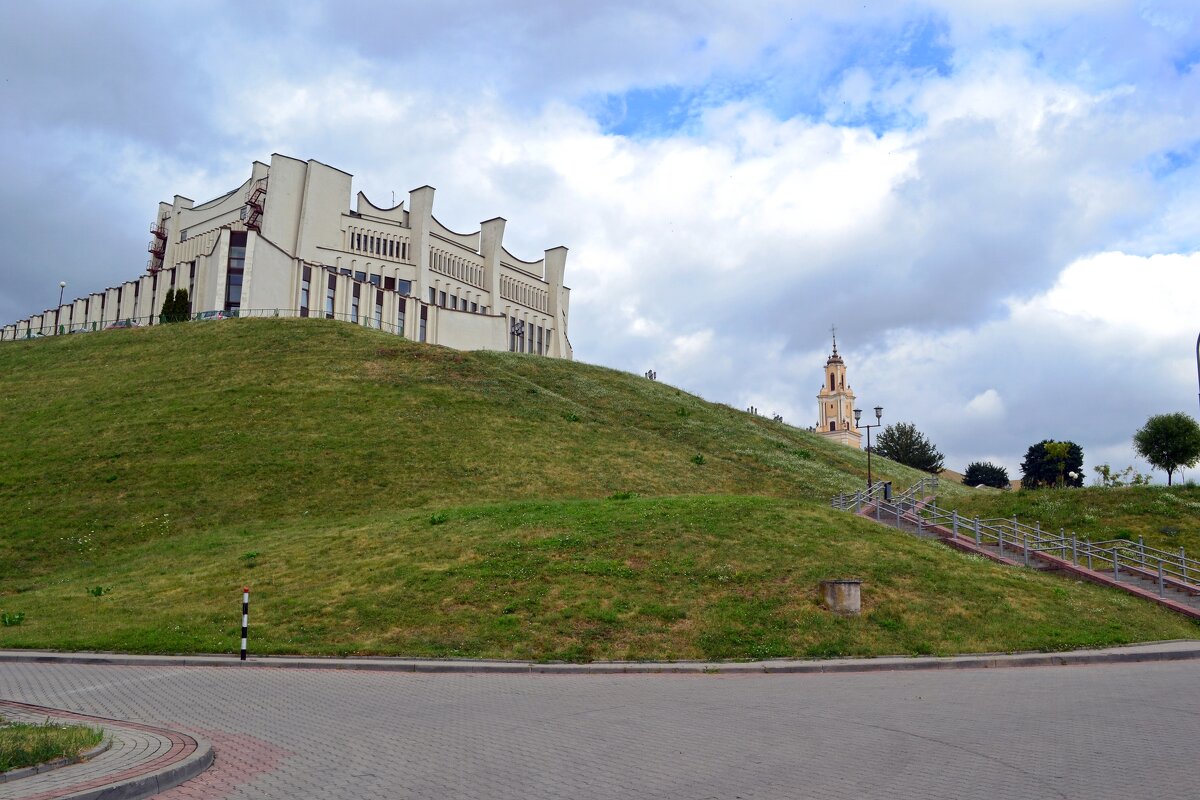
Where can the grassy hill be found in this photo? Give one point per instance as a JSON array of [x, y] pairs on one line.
[[1165, 517], [387, 497]]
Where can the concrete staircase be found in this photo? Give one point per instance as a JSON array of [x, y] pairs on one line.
[[1170, 580]]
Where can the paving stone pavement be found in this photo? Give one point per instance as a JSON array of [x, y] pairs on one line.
[[1101, 731], [134, 751]]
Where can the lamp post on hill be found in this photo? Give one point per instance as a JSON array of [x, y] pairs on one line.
[[878, 417], [1198, 363], [62, 286]]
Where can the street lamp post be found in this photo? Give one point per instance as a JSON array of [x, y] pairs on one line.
[[1198, 364], [878, 417], [62, 285]]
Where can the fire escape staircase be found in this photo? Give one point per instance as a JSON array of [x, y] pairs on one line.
[[256, 196], [157, 248]]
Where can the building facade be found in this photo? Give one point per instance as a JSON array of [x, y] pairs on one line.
[[835, 404], [287, 243]]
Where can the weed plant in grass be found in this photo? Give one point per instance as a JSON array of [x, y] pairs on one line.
[[1167, 517], [26, 744]]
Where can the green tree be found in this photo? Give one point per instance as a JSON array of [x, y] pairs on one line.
[[1168, 442], [1110, 478], [168, 307], [176, 307], [904, 444], [183, 305], [987, 474], [1051, 463]]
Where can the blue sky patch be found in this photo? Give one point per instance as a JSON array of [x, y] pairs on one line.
[[792, 86]]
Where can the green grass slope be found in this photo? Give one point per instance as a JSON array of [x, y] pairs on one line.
[[1164, 517], [388, 497]]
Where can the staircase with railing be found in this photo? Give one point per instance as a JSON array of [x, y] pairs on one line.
[[1166, 577]]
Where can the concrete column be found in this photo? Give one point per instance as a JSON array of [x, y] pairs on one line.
[[556, 264], [420, 220], [491, 243]]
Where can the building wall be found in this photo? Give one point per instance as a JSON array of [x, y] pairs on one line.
[[307, 221]]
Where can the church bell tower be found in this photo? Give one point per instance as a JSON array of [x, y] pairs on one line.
[[835, 403]]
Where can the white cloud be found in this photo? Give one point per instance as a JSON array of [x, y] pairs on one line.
[[995, 201], [986, 405]]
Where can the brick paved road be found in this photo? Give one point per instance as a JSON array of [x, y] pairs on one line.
[[1116, 731]]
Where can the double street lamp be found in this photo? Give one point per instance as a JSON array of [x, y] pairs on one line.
[[878, 417]]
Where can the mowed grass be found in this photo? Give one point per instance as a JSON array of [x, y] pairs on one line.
[[716, 577], [385, 497], [25, 744], [1165, 517]]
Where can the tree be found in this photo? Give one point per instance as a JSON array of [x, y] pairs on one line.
[[1110, 478], [987, 474], [183, 304], [904, 444], [1169, 441], [1051, 463], [176, 307]]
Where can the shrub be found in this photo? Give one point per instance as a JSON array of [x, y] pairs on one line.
[[1051, 463], [987, 474], [906, 445]]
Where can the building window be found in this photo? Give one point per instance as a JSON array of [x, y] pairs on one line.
[[360, 276], [454, 301], [191, 284], [305, 290], [424, 321], [389, 284], [375, 280], [379, 310], [474, 308], [391, 250], [432, 295], [442, 299], [354, 303], [236, 271], [344, 271], [401, 307], [404, 287], [540, 332], [330, 296]]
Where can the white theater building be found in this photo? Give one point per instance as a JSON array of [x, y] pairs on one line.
[[287, 243]]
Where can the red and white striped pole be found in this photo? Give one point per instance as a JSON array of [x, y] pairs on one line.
[[245, 617]]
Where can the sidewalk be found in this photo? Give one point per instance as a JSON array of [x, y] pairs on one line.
[[138, 761], [1156, 651]]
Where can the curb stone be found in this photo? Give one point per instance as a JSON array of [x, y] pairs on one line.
[[47, 766], [145, 786], [1179, 650], [118, 783]]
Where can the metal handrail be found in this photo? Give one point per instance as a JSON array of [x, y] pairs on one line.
[[1024, 540]]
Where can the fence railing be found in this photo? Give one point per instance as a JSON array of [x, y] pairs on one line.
[[366, 320], [1015, 539], [882, 491]]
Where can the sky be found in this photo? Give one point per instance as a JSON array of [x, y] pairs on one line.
[[996, 203]]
